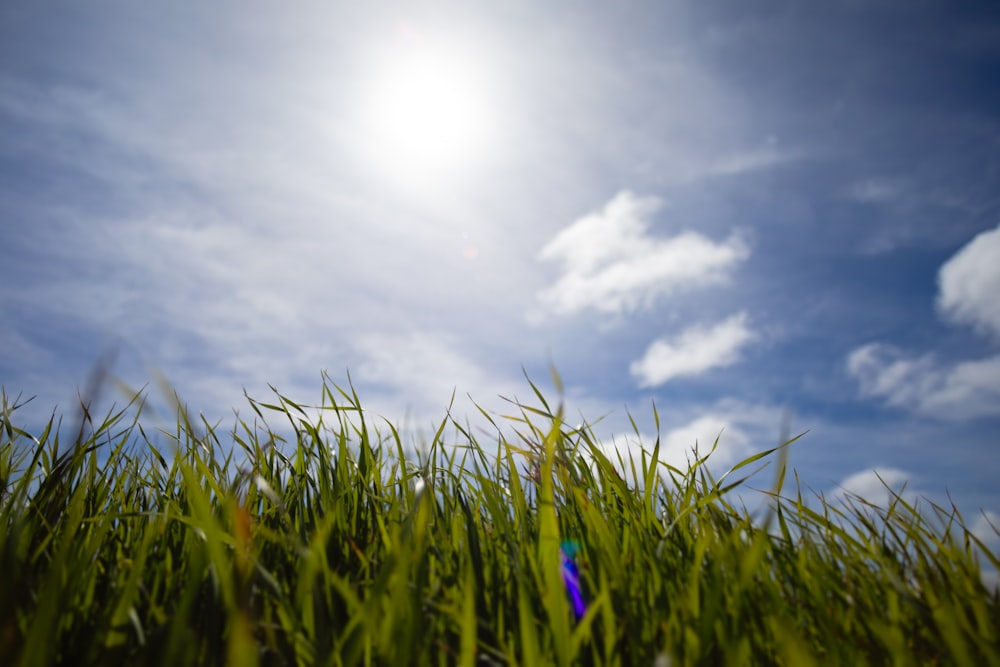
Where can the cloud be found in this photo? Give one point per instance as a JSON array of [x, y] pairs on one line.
[[878, 486], [693, 352], [414, 374], [969, 284], [874, 191], [742, 429], [679, 446], [881, 486], [429, 361], [963, 390], [986, 527], [749, 161], [611, 264]]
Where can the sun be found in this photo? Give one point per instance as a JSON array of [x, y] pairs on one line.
[[427, 110]]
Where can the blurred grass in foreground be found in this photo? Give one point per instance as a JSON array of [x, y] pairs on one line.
[[335, 546]]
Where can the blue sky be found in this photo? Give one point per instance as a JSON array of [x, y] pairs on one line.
[[727, 208]]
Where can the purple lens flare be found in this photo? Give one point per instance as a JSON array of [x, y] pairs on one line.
[[571, 577]]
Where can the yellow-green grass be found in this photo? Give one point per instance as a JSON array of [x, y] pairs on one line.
[[326, 540]]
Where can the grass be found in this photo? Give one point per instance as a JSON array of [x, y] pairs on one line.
[[324, 540]]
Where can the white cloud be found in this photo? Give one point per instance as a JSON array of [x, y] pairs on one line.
[[414, 374], [681, 446], [678, 444], [611, 263], [969, 284], [986, 527], [879, 486], [431, 362], [922, 384], [742, 429], [696, 350]]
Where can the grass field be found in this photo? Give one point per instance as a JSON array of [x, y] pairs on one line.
[[315, 535]]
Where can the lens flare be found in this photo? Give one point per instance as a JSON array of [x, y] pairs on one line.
[[571, 577]]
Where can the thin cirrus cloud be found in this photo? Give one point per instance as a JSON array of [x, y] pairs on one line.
[[612, 264], [968, 284], [695, 351], [752, 160], [874, 190]]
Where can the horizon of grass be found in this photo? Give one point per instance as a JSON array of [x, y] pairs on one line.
[[336, 545]]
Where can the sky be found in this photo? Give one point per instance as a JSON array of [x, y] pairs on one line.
[[731, 211]]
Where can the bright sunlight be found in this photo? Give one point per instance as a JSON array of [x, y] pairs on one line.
[[427, 111]]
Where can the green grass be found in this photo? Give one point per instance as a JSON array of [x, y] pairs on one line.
[[333, 544]]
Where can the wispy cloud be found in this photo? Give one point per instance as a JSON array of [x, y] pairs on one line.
[[240, 250], [417, 372], [613, 265], [874, 190], [696, 350], [925, 385], [969, 284], [751, 160]]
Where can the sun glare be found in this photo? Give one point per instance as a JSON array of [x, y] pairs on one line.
[[427, 111]]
